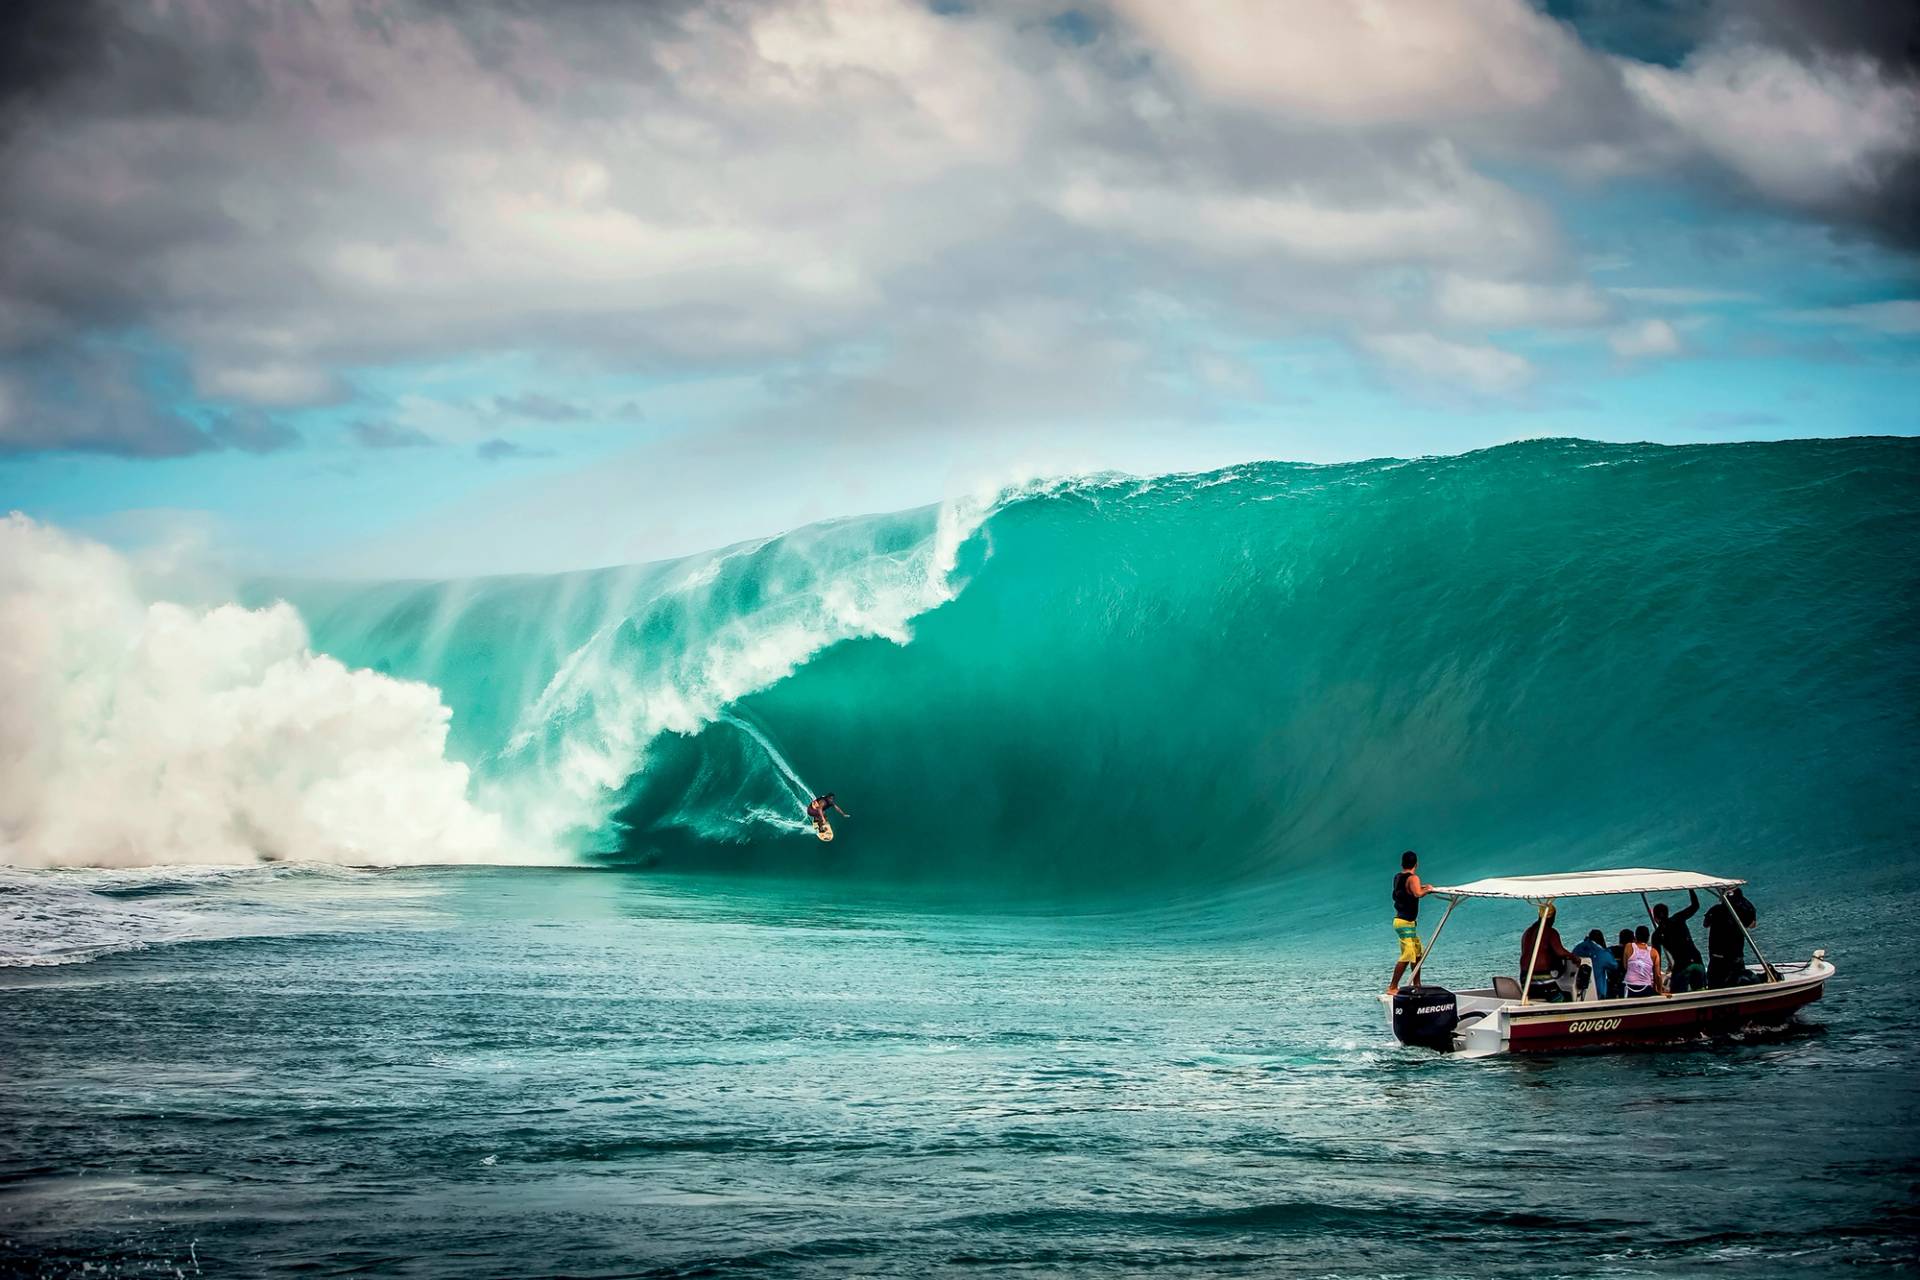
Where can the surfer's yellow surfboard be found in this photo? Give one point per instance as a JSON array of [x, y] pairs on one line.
[[825, 832]]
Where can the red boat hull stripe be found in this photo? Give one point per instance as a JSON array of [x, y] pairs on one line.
[[1659, 1019]]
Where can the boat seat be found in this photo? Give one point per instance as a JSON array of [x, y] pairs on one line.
[[1507, 988]]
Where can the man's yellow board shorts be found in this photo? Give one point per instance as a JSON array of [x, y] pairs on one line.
[[1409, 934]]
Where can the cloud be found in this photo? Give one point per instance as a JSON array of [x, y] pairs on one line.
[[1806, 105], [1431, 207], [389, 435], [288, 193], [1476, 367], [1507, 304], [1681, 297], [1889, 34], [1896, 317], [286, 197], [1830, 137], [498, 449], [1388, 62], [1008, 368], [91, 399], [252, 431], [1645, 340], [271, 384], [543, 408]]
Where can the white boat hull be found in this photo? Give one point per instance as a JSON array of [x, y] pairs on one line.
[[1491, 1024]]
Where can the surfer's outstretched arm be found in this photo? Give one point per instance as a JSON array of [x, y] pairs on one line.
[[842, 812]]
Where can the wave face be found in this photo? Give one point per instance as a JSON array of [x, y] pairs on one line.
[[1554, 652], [570, 690]]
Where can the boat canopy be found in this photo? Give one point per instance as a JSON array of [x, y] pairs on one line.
[[1586, 884]]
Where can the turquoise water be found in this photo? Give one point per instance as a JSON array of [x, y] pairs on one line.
[[1086, 983], [607, 1073]]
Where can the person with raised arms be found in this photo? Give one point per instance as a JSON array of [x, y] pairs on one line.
[[1674, 940]]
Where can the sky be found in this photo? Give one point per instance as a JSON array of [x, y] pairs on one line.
[[419, 288]]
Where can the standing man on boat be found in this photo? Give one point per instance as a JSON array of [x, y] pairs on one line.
[[1726, 947], [1726, 940], [1673, 939], [1407, 892]]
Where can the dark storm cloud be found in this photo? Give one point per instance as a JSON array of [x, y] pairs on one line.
[[1666, 31], [43, 45], [1747, 58], [1886, 31], [1881, 34], [88, 400]]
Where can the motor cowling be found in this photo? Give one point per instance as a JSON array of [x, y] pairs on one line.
[[1425, 1016]]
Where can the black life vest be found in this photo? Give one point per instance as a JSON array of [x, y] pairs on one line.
[[1405, 904]]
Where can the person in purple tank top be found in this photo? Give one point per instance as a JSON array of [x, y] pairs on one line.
[[1643, 965]]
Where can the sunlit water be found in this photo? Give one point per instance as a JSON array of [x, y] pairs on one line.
[[597, 1073]]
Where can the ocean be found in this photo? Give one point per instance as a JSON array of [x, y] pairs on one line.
[[473, 928]]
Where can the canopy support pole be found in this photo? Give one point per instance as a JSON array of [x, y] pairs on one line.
[[1771, 973], [1428, 949], [1539, 936]]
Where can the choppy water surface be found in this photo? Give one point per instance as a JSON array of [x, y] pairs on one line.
[[531, 1072]]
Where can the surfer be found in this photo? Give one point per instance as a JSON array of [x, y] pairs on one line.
[[817, 810]]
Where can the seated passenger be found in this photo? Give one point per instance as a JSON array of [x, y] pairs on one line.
[[1642, 966], [1553, 959], [1606, 970]]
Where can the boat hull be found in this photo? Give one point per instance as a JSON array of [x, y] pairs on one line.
[[1656, 1019], [1490, 1025]]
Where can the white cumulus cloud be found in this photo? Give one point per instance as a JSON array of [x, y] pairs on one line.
[[1645, 339], [1477, 367], [1818, 134]]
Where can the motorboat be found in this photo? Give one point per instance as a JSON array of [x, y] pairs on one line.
[[1525, 1014]]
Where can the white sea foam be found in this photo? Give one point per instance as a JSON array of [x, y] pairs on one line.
[[139, 733], [44, 922], [62, 916]]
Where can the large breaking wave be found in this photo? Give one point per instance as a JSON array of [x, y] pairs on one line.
[[1554, 650]]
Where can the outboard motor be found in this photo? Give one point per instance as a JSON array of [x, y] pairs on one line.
[[1425, 1016]]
